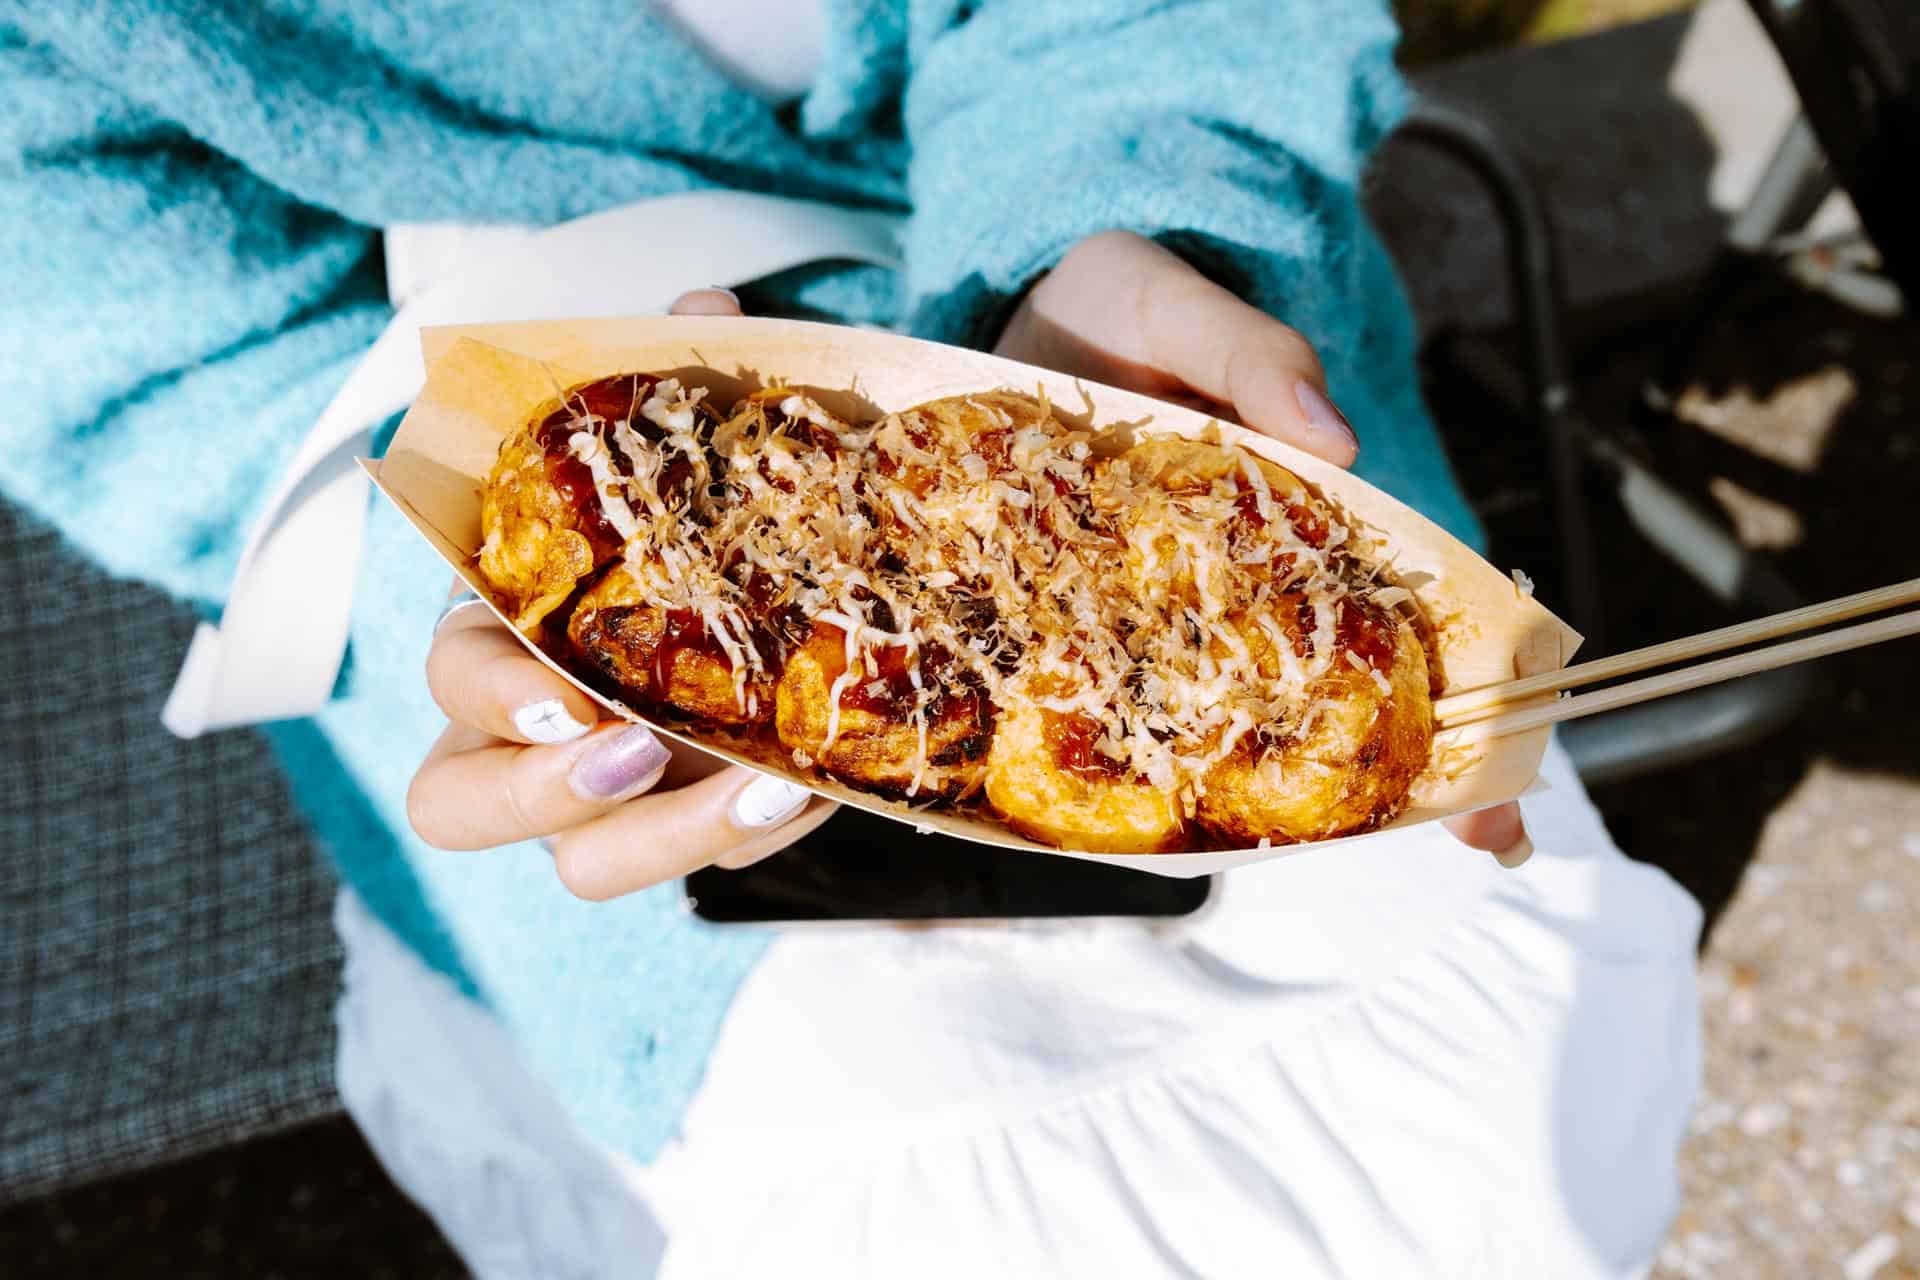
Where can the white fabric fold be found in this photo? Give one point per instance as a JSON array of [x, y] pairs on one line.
[[1397, 1060]]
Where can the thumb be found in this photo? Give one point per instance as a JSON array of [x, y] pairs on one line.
[[1498, 830], [1241, 357]]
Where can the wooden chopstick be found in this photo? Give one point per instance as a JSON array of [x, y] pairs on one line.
[[1455, 708], [1705, 673]]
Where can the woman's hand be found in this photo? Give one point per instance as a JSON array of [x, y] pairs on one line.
[[1120, 309], [619, 809], [527, 756]]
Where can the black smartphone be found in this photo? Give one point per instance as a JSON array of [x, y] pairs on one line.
[[857, 866]]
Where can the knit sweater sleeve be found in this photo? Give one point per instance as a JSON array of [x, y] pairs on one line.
[[1238, 124], [1234, 131], [172, 325]]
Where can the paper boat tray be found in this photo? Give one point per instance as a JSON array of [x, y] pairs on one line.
[[485, 381]]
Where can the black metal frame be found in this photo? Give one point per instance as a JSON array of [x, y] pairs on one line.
[[1686, 727], [1856, 67], [1533, 273]]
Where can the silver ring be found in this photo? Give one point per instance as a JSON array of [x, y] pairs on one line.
[[465, 599]]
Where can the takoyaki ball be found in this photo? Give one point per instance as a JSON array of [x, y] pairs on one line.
[[1162, 502], [1185, 467], [1047, 780], [785, 409], [876, 743], [1362, 748], [775, 438], [914, 443], [542, 530], [544, 527], [664, 657]]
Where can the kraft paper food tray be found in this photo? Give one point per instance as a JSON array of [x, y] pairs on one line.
[[486, 381]]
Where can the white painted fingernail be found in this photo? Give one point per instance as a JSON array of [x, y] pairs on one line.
[[765, 801], [548, 721]]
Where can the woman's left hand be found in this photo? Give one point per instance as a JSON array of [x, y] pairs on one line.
[[1120, 309]]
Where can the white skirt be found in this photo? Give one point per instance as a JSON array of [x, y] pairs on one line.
[[1396, 1060]]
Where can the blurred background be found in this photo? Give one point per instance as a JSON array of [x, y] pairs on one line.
[[1436, 30], [1679, 384]]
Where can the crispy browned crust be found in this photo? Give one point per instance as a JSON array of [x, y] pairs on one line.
[[662, 660]]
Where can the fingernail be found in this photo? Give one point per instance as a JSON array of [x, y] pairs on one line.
[[619, 765], [1322, 416], [548, 721], [1518, 853], [720, 288], [765, 801]]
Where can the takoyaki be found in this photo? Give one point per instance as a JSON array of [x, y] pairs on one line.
[[671, 657], [1048, 779], [1366, 731], [899, 722], [551, 511], [1120, 644]]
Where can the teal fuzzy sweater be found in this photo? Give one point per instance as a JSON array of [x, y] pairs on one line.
[[192, 194]]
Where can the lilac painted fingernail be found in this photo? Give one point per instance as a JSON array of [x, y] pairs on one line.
[[1321, 414], [618, 765]]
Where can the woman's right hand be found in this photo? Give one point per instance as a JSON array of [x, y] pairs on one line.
[[527, 756]]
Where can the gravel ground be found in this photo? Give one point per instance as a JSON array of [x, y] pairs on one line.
[[1804, 1158]]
